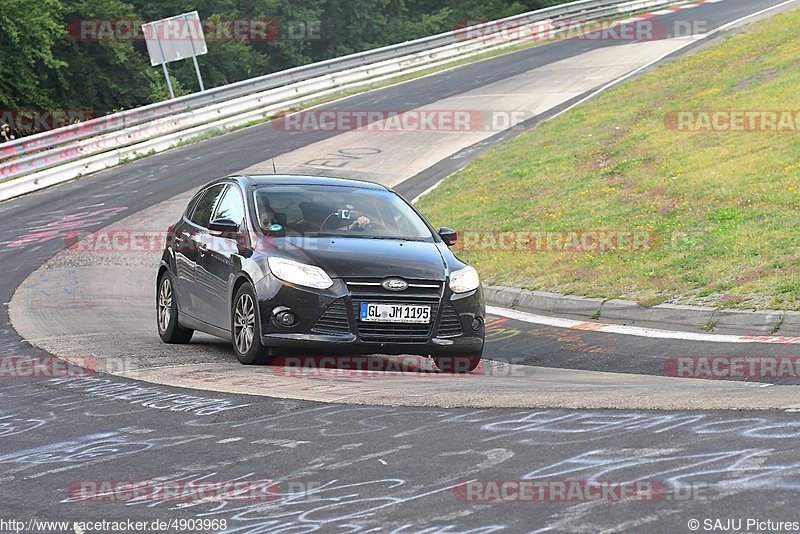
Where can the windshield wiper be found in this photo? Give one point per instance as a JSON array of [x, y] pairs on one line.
[[391, 238], [360, 236]]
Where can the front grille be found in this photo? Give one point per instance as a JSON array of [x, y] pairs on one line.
[[419, 292], [449, 324], [334, 320]]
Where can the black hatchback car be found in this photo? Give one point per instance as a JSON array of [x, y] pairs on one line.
[[286, 263]]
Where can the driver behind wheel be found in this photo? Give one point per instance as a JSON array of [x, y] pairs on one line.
[[359, 224], [356, 219]]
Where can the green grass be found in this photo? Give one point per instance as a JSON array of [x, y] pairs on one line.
[[725, 206], [137, 156], [210, 134]]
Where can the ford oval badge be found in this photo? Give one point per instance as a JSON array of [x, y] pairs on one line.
[[395, 284]]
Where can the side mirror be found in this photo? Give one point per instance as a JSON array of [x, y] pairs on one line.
[[225, 226], [448, 235]]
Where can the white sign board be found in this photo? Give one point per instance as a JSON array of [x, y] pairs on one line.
[[175, 38]]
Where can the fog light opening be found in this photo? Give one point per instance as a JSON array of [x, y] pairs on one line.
[[285, 318], [477, 323]]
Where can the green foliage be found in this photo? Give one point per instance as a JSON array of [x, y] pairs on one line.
[[30, 30], [44, 67]]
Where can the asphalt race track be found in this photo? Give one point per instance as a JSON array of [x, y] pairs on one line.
[[354, 452], [84, 297]]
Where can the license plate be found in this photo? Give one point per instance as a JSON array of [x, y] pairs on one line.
[[395, 313]]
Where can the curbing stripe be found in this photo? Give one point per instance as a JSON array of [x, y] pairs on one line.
[[637, 331], [748, 324]]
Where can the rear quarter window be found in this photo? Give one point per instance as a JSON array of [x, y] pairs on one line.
[[204, 207]]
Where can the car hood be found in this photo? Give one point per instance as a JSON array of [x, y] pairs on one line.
[[366, 258]]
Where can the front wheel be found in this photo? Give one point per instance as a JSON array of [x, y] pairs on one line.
[[245, 328], [169, 329], [458, 364]]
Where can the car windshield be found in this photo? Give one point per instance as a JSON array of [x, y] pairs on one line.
[[341, 211]]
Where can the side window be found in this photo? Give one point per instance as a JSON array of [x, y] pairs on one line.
[[191, 205], [231, 206], [201, 215]]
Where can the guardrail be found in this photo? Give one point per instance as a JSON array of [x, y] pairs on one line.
[[55, 156]]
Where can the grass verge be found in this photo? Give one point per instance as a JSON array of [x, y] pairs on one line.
[[724, 205]]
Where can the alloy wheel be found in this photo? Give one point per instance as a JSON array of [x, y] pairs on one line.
[[244, 323], [164, 304]]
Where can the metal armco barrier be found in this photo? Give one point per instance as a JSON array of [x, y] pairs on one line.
[[55, 156]]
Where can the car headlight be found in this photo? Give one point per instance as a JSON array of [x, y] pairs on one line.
[[464, 280], [299, 273]]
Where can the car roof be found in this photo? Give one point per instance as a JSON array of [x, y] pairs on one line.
[[296, 179]]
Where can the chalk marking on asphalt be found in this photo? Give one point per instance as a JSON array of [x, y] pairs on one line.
[[229, 440], [637, 331]]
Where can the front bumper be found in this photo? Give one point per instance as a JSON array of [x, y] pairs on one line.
[[328, 322]]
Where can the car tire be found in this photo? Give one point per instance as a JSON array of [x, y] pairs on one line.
[[245, 318], [458, 364], [169, 329]]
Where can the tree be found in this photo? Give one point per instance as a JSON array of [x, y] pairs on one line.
[[31, 29], [46, 64], [104, 74], [354, 25]]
